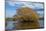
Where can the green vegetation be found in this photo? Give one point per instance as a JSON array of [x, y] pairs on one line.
[[8, 19]]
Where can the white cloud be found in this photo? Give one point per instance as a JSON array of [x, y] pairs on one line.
[[33, 5], [39, 6], [13, 3], [28, 4]]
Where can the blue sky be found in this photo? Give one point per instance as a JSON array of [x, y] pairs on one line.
[[11, 6]]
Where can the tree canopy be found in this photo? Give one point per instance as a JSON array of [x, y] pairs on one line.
[[26, 13]]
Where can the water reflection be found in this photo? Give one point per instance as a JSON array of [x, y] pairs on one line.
[[11, 25]]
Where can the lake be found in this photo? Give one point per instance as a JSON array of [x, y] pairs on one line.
[[11, 24]]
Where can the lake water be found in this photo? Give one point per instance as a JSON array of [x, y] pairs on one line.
[[11, 24], [41, 22]]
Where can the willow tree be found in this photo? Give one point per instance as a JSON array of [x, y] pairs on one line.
[[27, 17]]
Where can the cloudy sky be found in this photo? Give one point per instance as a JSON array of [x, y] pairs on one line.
[[11, 6]]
